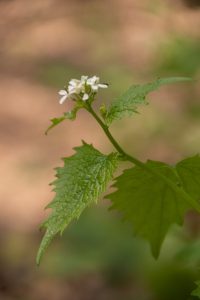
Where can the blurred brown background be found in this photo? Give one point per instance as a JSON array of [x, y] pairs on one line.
[[43, 45]]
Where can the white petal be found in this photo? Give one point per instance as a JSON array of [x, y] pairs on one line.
[[62, 99], [91, 80], [62, 92], [78, 89], [84, 78], [103, 85], [95, 79], [74, 82], [95, 87], [85, 97], [71, 89]]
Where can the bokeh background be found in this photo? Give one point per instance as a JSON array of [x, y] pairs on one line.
[[43, 45]]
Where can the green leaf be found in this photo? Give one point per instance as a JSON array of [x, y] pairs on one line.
[[135, 96], [189, 173], [150, 203], [70, 115], [196, 292], [79, 183]]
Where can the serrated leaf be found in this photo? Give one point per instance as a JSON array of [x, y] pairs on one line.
[[149, 203], [189, 173], [70, 115], [196, 292], [79, 183], [128, 102]]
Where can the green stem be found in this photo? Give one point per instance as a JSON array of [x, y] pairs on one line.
[[140, 164]]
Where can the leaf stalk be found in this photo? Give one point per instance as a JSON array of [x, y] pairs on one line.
[[176, 187]]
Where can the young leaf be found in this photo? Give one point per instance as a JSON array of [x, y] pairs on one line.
[[135, 96], [79, 183], [150, 203], [70, 115]]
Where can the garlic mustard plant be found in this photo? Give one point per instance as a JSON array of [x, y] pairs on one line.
[[150, 195]]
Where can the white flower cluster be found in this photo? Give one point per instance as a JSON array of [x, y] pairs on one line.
[[81, 89]]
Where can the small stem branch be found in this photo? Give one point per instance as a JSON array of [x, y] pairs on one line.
[[140, 164], [107, 132]]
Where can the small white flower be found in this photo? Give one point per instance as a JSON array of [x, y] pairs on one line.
[[64, 96], [77, 86], [81, 89], [94, 83]]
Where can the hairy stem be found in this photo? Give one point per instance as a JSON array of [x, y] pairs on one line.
[[140, 164]]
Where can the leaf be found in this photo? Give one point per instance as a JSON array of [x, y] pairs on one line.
[[189, 173], [70, 115], [79, 183], [135, 96], [150, 203], [196, 292]]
